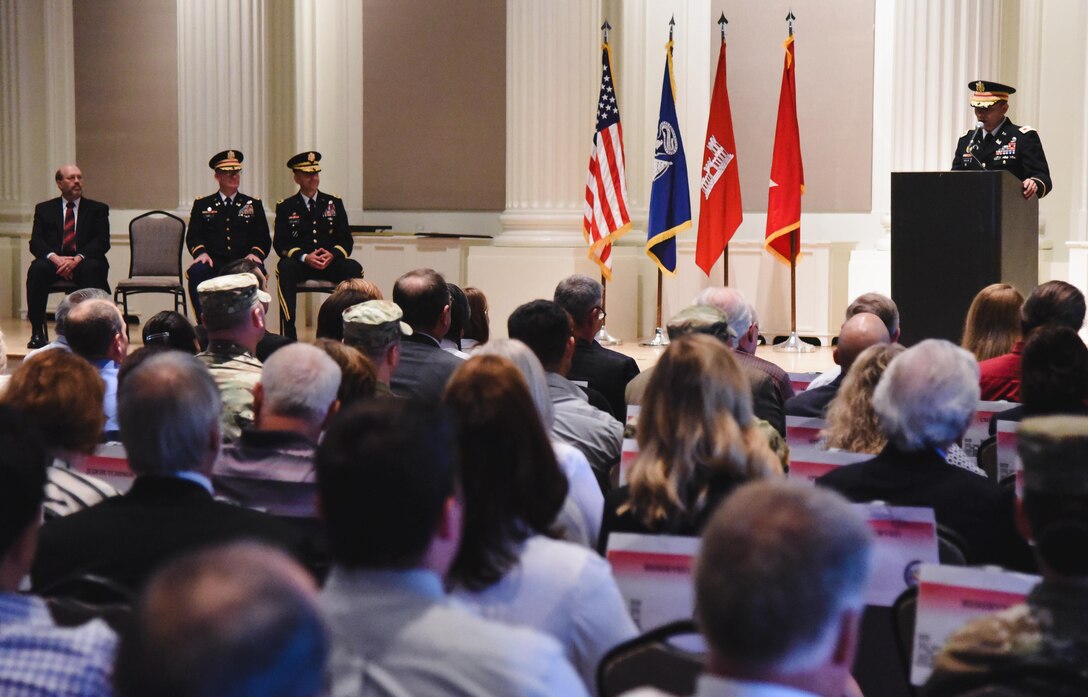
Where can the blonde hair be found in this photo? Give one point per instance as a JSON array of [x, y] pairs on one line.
[[696, 426], [851, 422], [993, 321], [362, 285]]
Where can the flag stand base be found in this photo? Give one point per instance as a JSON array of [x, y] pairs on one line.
[[605, 339], [660, 340], [793, 345]]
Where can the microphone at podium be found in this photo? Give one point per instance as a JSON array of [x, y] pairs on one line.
[[974, 136]]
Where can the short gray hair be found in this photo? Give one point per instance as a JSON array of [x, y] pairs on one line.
[[781, 561], [927, 396], [732, 302], [300, 381], [578, 295], [71, 300], [529, 365], [167, 408]]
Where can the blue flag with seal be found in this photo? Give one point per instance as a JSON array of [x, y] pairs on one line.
[[670, 203]]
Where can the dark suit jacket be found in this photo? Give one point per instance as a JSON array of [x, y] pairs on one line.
[[298, 232], [971, 505], [814, 402], [606, 371], [92, 229], [224, 234], [424, 369], [125, 538]]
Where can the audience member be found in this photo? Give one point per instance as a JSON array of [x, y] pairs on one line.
[[745, 335], [478, 329], [697, 440], [330, 316], [172, 330], [61, 316], [993, 321], [1052, 303], [36, 656], [875, 304], [507, 567], [235, 621], [234, 317], [271, 466], [61, 394], [852, 423], [924, 403], [705, 319], [857, 334], [545, 328], [371, 289], [358, 379], [169, 412], [605, 370], [580, 518], [423, 368], [270, 342], [137, 357], [779, 591], [375, 328], [1039, 647], [388, 480], [96, 331], [1054, 376], [459, 317]]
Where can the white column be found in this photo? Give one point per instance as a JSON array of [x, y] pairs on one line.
[[37, 101], [940, 46], [552, 78], [221, 92], [329, 93]]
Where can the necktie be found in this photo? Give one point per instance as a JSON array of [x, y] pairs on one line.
[[230, 205], [312, 205], [68, 244]]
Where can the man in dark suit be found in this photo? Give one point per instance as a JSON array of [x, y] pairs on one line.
[[1002, 144], [925, 401], [424, 368], [69, 241], [169, 412], [605, 370], [225, 226], [857, 334], [312, 238]]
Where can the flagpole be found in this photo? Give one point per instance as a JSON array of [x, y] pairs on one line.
[[793, 343], [603, 337], [722, 23], [660, 339]]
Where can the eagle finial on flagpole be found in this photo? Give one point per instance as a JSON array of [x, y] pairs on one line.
[[723, 22]]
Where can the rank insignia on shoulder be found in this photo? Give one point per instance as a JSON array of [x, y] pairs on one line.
[[1026, 129], [279, 202], [965, 132]]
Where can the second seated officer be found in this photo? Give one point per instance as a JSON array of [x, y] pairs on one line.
[[312, 237], [225, 226]]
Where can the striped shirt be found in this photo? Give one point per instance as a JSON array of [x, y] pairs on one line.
[[40, 659]]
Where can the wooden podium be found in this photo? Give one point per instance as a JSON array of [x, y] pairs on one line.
[[953, 234]]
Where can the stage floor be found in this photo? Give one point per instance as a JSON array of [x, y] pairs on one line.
[[17, 333]]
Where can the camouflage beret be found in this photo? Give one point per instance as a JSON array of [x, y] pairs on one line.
[[702, 319], [227, 295], [374, 324]]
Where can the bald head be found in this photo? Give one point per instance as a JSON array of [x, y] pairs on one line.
[[857, 334]]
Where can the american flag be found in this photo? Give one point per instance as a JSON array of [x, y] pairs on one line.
[[606, 218]]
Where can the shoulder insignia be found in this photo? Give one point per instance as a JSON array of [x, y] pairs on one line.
[[965, 132], [1026, 129], [279, 202]]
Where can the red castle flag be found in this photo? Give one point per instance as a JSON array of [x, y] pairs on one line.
[[720, 211], [787, 173]]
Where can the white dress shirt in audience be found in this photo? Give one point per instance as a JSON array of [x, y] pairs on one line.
[[397, 633], [585, 493], [566, 591]]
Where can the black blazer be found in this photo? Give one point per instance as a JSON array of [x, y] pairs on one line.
[[606, 371], [92, 229], [228, 234], [423, 370], [814, 402], [971, 505], [125, 538]]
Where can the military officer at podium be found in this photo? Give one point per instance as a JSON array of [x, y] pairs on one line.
[[998, 143], [312, 237], [225, 226]]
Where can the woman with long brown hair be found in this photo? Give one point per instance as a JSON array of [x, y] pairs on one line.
[[993, 321]]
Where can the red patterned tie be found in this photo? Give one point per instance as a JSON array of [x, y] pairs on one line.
[[68, 246]]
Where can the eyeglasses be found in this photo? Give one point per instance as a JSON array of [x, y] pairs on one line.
[[600, 309]]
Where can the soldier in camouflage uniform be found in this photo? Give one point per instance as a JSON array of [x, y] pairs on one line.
[[234, 317], [375, 328], [1041, 646]]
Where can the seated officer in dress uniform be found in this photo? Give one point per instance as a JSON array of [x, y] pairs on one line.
[[1001, 144], [312, 237], [224, 227]]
